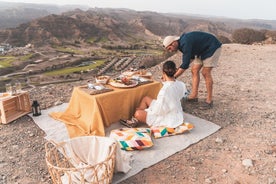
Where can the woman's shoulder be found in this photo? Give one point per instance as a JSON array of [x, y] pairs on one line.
[[179, 82], [167, 85], [170, 83], [181, 85]]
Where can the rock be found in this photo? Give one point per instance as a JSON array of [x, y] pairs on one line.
[[219, 140], [247, 163], [269, 152], [58, 103], [271, 181], [208, 180]]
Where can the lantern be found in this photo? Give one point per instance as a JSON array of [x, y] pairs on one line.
[[36, 108]]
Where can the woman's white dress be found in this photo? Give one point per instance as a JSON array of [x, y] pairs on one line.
[[166, 110]]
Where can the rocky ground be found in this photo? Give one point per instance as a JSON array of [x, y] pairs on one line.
[[242, 151]]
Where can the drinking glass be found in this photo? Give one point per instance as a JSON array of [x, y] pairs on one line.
[[90, 84], [9, 88], [18, 87]]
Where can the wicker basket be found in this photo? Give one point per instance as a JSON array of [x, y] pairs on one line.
[[63, 168]]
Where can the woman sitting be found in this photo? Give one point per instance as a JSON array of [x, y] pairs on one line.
[[166, 110]]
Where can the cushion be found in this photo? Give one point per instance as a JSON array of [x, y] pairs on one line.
[[162, 131], [132, 138]]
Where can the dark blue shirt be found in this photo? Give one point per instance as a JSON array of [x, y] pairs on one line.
[[199, 44]]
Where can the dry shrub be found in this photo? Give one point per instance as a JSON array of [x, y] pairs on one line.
[[271, 37], [248, 36], [224, 39]]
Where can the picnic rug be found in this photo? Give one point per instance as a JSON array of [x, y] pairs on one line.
[[163, 147]]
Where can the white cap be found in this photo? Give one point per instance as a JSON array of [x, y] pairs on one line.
[[169, 39]]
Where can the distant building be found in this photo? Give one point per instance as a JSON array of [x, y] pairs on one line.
[[4, 47]]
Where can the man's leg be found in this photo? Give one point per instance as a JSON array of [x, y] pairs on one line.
[[208, 65], [206, 72], [195, 80]]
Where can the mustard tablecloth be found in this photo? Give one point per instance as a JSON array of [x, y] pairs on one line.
[[89, 114]]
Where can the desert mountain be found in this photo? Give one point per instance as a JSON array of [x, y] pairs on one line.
[[115, 26], [14, 14]]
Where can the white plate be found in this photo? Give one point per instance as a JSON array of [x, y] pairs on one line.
[[137, 73], [140, 79], [146, 75], [129, 73], [121, 85], [102, 79]]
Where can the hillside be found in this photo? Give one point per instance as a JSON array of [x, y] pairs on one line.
[[232, 23], [103, 26], [14, 14], [113, 26]]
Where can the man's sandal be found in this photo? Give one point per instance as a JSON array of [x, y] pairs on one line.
[[206, 106], [192, 99]]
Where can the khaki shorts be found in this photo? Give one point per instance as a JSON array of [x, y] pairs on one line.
[[210, 61]]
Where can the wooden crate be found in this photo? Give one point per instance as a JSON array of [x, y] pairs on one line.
[[14, 107]]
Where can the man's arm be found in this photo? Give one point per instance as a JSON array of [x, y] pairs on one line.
[[179, 72]]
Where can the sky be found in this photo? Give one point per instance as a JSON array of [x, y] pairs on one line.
[[241, 9]]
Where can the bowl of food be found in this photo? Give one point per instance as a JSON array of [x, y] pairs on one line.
[[103, 79], [3, 95]]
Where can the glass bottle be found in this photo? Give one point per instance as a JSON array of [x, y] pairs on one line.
[[18, 87], [9, 88]]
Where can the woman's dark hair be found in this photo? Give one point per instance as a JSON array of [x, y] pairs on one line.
[[169, 68]]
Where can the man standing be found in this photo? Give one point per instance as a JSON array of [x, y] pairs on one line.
[[202, 51]]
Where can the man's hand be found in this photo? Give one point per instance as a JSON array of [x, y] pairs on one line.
[[179, 72]]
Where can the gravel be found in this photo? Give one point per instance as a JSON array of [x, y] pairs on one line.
[[242, 151]]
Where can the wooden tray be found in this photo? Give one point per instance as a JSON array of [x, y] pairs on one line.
[[95, 91]]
